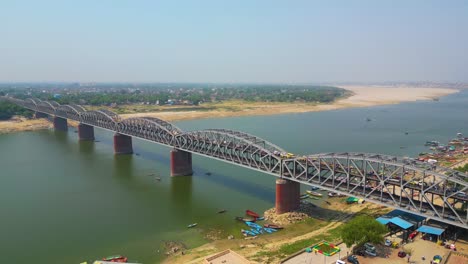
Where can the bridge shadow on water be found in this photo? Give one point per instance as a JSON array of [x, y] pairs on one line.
[[255, 190]]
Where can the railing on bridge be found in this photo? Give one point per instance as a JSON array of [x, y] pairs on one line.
[[421, 188]]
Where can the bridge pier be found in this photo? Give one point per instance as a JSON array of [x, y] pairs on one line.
[[287, 196], [181, 163], [60, 123], [40, 115], [122, 144], [85, 132]]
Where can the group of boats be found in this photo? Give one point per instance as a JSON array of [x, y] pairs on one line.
[[313, 194], [256, 229]]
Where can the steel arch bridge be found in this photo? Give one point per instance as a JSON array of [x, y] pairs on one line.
[[431, 191]]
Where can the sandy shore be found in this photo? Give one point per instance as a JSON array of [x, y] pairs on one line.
[[17, 124], [363, 96]]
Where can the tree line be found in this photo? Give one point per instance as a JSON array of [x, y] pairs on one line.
[[8, 110]]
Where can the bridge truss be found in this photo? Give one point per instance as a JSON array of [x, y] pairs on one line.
[[431, 191]]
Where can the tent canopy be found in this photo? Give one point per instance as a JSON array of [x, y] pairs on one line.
[[430, 230], [400, 222], [383, 220], [396, 221]]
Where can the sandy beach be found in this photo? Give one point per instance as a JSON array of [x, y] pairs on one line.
[[363, 96]]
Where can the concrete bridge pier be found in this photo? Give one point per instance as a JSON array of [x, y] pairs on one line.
[[40, 115], [181, 163], [122, 144], [85, 132], [60, 123], [287, 196]]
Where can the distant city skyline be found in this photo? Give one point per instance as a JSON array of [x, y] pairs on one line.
[[234, 42]]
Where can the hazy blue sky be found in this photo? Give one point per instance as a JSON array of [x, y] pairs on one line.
[[233, 41]]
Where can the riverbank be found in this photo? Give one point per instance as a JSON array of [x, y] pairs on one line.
[[324, 224], [17, 124], [362, 96]]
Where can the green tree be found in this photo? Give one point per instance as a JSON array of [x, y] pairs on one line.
[[463, 169], [361, 229]]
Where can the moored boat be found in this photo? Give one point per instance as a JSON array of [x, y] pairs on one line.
[[243, 219], [314, 193], [252, 213], [192, 225], [304, 196], [116, 258], [222, 211], [272, 226]]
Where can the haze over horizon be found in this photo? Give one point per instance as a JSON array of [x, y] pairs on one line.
[[240, 42]]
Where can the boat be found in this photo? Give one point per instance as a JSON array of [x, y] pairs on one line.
[[331, 194], [253, 225], [158, 178], [222, 211], [116, 258], [313, 188], [248, 232], [304, 196], [242, 219], [192, 225], [272, 226], [314, 193], [252, 213], [260, 218], [208, 173]]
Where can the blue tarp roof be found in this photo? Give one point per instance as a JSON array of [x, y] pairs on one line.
[[383, 220], [400, 222], [396, 221], [430, 230]]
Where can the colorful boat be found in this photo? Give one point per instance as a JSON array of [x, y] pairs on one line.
[[252, 213], [192, 225], [116, 258], [272, 226], [314, 193]]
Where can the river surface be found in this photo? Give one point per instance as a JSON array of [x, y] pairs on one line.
[[65, 201]]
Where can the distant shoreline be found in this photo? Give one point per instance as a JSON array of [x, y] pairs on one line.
[[363, 96]]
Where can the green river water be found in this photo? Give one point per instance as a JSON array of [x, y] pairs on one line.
[[65, 201]]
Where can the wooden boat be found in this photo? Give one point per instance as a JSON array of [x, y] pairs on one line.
[[314, 193], [252, 213], [192, 225], [222, 211], [242, 219], [272, 226], [116, 258]]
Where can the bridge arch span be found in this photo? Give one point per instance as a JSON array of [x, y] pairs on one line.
[[149, 128], [100, 118], [403, 183], [68, 111], [46, 107], [232, 146]]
